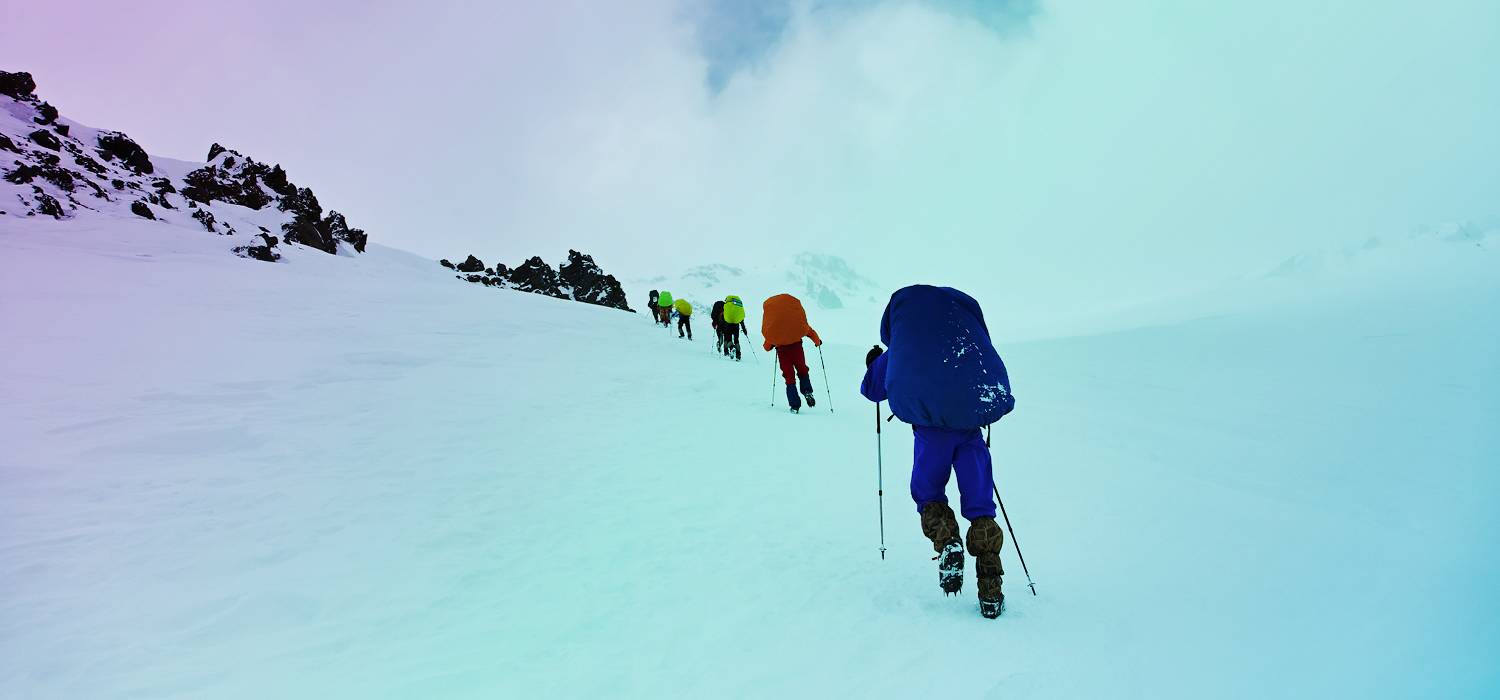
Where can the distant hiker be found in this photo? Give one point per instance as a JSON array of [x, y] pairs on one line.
[[783, 323], [684, 318], [655, 315], [716, 318], [664, 309], [733, 322], [942, 375]]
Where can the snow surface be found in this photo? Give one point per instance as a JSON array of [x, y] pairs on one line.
[[359, 477]]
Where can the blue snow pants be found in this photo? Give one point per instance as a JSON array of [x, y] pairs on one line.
[[940, 451]]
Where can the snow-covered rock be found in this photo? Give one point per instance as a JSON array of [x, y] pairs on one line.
[[579, 279], [65, 170]]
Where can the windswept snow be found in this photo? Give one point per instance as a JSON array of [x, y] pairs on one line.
[[360, 477]]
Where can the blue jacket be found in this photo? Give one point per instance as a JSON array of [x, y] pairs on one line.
[[940, 369]]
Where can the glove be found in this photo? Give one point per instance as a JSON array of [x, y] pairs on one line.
[[874, 353]]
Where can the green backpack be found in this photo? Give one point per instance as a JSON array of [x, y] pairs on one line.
[[734, 310]]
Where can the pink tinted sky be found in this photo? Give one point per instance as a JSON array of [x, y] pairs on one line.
[[1106, 152]]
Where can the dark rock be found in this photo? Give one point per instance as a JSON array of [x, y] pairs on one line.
[[276, 180], [535, 276], [62, 179], [17, 85], [307, 233], [473, 264], [336, 227], [6, 144], [89, 164], [206, 218], [23, 175], [45, 139], [61, 129], [260, 252], [303, 203], [118, 184], [234, 178], [473, 278], [266, 252], [113, 144], [444, 262], [47, 204], [489, 270], [140, 209], [48, 114], [587, 283], [240, 186], [163, 186]]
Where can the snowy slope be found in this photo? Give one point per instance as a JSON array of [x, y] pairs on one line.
[[360, 477]]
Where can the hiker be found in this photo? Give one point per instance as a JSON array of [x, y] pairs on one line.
[[684, 318], [942, 375], [655, 315], [733, 321], [664, 309], [783, 323], [716, 318]]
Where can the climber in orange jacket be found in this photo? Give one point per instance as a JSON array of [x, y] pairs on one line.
[[784, 325]]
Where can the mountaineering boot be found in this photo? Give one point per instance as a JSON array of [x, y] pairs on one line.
[[941, 527], [807, 391], [792, 399], [985, 538]]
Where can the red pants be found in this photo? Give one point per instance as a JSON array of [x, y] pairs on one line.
[[793, 364]]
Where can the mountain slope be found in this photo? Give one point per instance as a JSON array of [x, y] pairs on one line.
[[65, 170], [363, 478]]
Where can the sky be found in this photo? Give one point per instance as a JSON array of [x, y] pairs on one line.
[[1058, 154]]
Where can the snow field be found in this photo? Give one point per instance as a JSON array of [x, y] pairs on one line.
[[359, 477]]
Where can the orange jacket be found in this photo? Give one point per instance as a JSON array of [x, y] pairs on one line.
[[783, 322]]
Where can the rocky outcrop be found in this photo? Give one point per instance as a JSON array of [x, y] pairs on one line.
[[64, 170], [113, 144], [473, 264], [18, 86], [237, 179], [579, 279], [589, 284]]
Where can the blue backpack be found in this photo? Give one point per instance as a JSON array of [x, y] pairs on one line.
[[941, 370]]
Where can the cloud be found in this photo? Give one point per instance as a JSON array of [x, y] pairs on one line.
[[735, 35], [1076, 153]]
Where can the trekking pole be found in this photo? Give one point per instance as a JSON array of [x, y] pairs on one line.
[[1003, 514], [826, 390], [880, 479], [773, 385]]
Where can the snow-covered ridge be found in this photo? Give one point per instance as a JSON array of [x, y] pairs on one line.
[[66, 170]]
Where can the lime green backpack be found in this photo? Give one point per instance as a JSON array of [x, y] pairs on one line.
[[734, 310], [665, 300]]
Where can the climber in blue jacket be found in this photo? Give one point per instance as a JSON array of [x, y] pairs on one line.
[[942, 375]]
